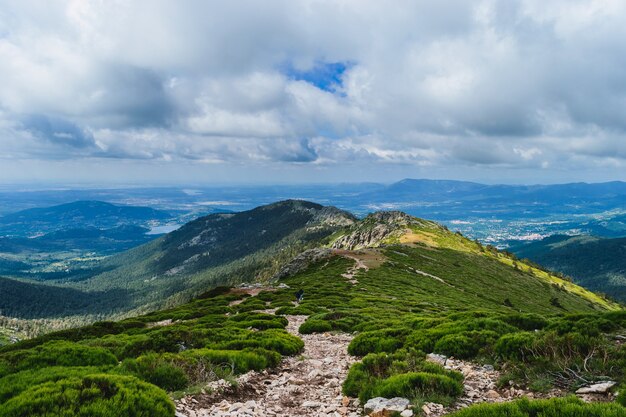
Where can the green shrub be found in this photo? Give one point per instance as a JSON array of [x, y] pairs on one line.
[[315, 326], [154, 369], [420, 385], [465, 345], [272, 339], [98, 395], [377, 341], [515, 345], [364, 376], [555, 407], [527, 321], [358, 382], [57, 353], [14, 384], [621, 398], [235, 360]]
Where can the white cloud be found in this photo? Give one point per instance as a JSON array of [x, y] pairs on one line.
[[524, 84]]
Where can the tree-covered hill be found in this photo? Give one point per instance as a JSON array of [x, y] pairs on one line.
[[213, 250], [593, 262]]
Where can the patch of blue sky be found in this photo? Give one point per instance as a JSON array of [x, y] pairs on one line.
[[326, 76]]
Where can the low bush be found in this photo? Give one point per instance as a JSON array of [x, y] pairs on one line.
[[154, 369], [56, 353], [99, 395], [621, 398], [526, 321], [239, 361], [555, 407], [465, 345], [377, 341], [365, 376], [272, 339], [419, 385], [315, 326], [14, 384]]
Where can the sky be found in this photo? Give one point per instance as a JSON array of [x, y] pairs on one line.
[[160, 92]]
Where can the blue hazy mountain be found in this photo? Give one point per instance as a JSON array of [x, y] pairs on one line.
[[78, 214]]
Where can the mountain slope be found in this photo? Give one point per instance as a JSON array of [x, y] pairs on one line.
[[30, 300], [454, 271], [215, 250], [595, 263], [254, 245]]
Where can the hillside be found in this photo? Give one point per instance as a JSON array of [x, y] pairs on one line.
[[378, 294], [595, 263], [212, 250]]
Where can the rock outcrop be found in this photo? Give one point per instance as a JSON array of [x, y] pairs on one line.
[[301, 262], [376, 229]]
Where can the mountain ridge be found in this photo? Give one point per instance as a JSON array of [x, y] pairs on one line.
[[255, 245]]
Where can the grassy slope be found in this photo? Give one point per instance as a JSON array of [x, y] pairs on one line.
[[469, 269]]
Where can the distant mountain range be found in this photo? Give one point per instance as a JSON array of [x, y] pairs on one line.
[[444, 199], [79, 214]]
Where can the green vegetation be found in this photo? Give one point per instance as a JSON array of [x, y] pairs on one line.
[[219, 249], [594, 262], [425, 290], [105, 368], [98, 395], [404, 373], [556, 407]]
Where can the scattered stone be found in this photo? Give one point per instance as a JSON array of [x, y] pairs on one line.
[[492, 394], [377, 404], [407, 413], [436, 358], [600, 388]]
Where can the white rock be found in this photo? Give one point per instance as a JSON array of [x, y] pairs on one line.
[[398, 404], [407, 413], [436, 358], [600, 388]]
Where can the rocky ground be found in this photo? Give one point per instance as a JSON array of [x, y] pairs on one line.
[[308, 385]]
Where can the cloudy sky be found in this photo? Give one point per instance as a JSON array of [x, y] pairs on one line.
[[312, 91]]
